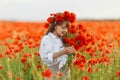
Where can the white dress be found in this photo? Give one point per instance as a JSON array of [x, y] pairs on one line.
[[49, 45]]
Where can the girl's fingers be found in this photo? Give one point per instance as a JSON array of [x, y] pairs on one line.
[[71, 50]]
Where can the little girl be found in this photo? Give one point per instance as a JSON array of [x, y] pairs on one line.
[[52, 50]]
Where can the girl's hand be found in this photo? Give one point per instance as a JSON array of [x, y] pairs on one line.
[[70, 50]]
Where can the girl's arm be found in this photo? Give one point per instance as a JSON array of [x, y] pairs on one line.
[[46, 53], [67, 50]]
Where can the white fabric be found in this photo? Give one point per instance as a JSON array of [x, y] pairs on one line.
[[49, 45]]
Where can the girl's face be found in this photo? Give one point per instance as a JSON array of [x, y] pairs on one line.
[[61, 30]]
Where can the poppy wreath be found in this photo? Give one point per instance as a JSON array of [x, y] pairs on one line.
[[58, 17]]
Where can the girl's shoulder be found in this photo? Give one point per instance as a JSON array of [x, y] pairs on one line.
[[45, 38]]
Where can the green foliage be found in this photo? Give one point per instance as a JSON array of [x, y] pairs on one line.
[[14, 68]]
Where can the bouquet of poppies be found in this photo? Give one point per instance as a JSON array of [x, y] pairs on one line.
[[76, 38], [80, 39]]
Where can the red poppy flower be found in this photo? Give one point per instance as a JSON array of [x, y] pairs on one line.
[[23, 60], [66, 40], [90, 70], [47, 73], [72, 17], [1, 55], [50, 19], [18, 78], [59, 18], [46, 25], [1, 66], [85, 78], [60, 74], [118, 73]]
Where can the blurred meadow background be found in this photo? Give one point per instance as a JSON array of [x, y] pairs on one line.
[[22, 26]]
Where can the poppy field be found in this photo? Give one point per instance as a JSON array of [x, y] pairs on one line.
[[97, 44]]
